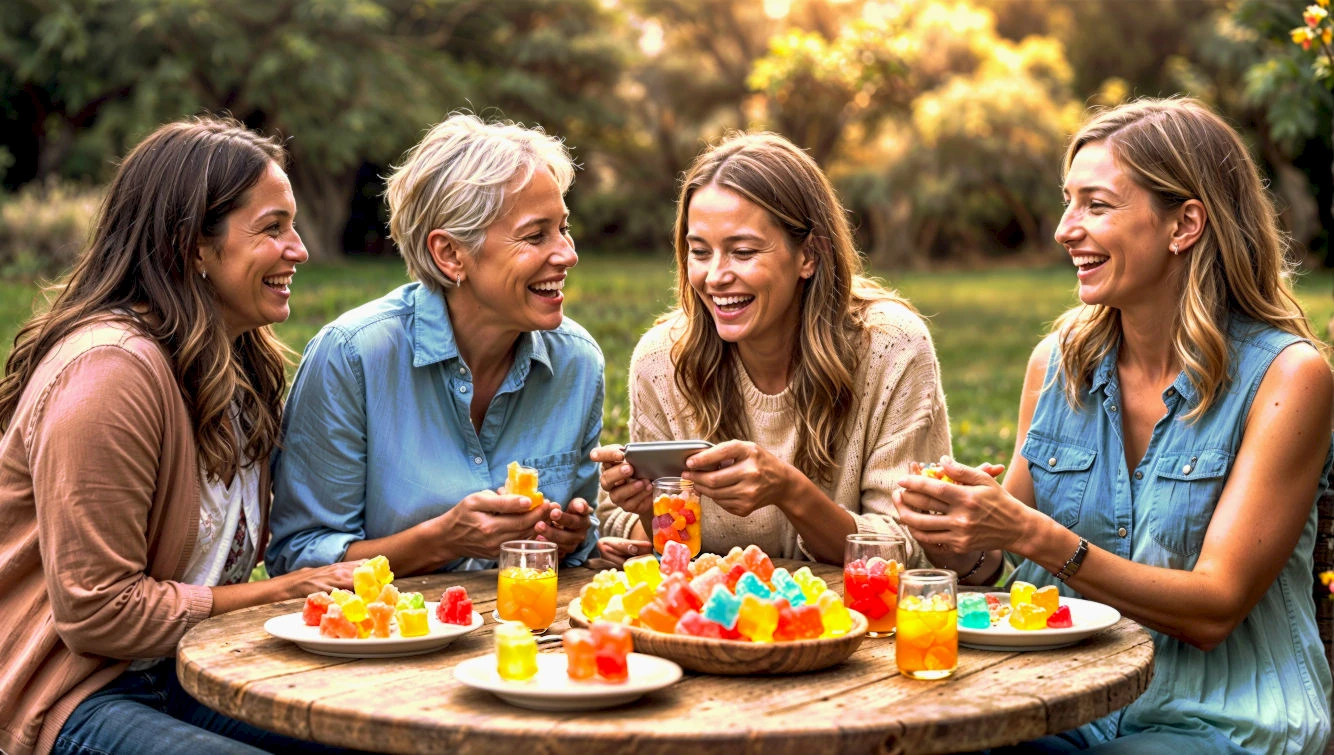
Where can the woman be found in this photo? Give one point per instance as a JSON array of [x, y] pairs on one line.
[[138, 415], [1174, 436], [817, 385], [406, 411]]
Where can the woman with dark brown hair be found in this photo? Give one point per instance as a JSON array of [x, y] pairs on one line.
[[139, 413]]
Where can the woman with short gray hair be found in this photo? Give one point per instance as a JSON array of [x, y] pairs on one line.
[[407, 410]]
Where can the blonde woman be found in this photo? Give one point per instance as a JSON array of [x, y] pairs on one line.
[[818, 386], [1174, 436]]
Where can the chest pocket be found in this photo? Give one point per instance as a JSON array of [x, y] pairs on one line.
[[554, 472], [1186, 490], [1060, 472]]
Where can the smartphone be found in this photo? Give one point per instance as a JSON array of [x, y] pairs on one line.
[[662, 458]]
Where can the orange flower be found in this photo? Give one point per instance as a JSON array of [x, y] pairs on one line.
[[1314, 15], [1303, 36]]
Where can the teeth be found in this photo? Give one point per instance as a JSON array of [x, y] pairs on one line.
[[281, 280], [549, 285], [1088, 260], [727, 301]]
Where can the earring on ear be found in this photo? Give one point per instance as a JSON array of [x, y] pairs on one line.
[[458, 279], [203, 274], [1174, 249]]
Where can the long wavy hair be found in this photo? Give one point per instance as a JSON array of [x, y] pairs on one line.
[[1177, 149], [773, 173], [169, 200]]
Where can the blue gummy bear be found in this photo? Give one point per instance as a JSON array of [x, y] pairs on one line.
[[749, 584], [722, 607], [975, 620], [787, 589], [972, 601]]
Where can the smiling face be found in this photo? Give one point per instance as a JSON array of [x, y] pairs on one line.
[[514, 282], [1116, 237], [251, 267], [744, 269]]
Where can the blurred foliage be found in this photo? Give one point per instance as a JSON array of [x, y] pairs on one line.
[[942, 121], [45, 226]]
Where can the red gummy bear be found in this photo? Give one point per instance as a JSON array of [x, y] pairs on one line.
[[316, 604], [455, 607], [758, 561], [695, 624], [1060, 619], [679, 599], [613, 644]]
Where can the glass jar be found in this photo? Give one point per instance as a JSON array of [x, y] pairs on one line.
[[676, 514], [928, 633]]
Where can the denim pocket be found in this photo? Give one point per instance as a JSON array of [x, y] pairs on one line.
[[553, 469], [1060, 471], [1187, 486]]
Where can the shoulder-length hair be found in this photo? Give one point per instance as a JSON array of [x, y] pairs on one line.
[[786, 182], [1177, 150], [170, 198]]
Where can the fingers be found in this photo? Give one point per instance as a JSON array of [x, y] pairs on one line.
[[964, 474], [611, 454], [721, 455], [619, 475], [500, 504]]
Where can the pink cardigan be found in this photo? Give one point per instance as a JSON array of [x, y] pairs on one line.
[[99, 509]]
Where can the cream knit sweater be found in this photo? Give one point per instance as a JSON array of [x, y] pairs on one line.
[[899, 416]]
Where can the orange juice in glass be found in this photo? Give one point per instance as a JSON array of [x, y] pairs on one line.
[[928, 633], [526, 590]]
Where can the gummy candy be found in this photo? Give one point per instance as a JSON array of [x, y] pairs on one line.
[[811, 585], [871, 589], [612, 643], [703, 584], [1048, 598], [1060, 619], [675, 558], [380, 566], [354, 608], [732, 558], [580, 661], [932, 470], [455, 607], [705, 562], [389, 595], [335, 624], [750, 584], [734, 575], [722, 607], [365, 583], [634, 601], [786, 588], [316, 604], [1021, 592], [758, 562], [676, 520], [696, 625], [757, 619], [615, 610], [593, 596], [642, 570], [834, 615], [412, 622], [656, 617], [798, 623], [973, 611], [523, 481], [677, 597], [1027, 616], [381, 614], [516, 651]]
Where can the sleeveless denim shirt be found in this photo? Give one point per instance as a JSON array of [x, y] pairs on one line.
[[1267, 687]]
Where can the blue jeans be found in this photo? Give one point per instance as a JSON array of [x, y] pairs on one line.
[[149, 712], [1142, 743]]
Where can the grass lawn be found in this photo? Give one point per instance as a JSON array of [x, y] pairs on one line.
[[984, 323]]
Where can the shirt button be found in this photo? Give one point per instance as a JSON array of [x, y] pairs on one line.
[[476, 460], [1051, 462], [1171, 391], [1185, 469], [1139, 475], [1121, 532], [463, 389], [1112, 408], [463, 370]]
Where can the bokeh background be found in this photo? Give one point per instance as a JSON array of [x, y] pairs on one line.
[[942, 123]]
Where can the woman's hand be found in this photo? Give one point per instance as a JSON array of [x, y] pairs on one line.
[[745, 477], [628, 493], [615, 550], [568, 528], [303, 582], [972, 514]]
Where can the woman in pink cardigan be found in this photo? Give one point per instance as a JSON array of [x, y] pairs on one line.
[[138, 417]]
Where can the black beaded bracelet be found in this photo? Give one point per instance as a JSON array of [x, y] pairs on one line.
[[980, 560], [1072, 566]]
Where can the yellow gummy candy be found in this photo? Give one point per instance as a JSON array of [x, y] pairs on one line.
[[523, 481], [340, 596], [412, 622], [366, 583], [354, 608], [615, 610], [1021, 592], [516, 652], [1028, 617], [811, 586], [380, 566], [643, 570], [634, 601], [834, 615]]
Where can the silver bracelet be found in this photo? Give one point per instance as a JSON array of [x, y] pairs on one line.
[[1072, 566]]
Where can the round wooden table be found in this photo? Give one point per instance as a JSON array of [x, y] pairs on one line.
[[862, 705]]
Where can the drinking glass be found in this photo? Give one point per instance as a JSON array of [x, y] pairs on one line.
[[871, 566], [527, 588], [928, 643]]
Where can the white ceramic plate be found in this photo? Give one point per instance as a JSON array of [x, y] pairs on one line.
[[1089, 618], [439, 634], [553, 689]]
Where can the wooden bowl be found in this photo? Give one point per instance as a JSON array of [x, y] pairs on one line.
[[735, 657]]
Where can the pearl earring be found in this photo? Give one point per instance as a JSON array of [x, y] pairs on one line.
[[203, 274]]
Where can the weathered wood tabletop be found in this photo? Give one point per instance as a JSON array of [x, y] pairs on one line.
[[863, 705]]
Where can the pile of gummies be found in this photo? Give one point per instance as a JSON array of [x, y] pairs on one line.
[[740, 596], [676, 519], [598, 653], [375, 607], [1030, 608]]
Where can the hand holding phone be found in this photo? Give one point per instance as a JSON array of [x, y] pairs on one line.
[[662, 458]]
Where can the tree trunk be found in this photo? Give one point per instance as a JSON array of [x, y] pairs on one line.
[[323, 201]]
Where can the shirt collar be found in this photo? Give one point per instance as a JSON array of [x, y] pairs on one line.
[[1105, 374], [433, 335]]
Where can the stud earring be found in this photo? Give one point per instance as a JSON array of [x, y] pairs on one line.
[[1174, 249], [203, 274]]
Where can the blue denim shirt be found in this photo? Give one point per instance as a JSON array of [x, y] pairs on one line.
[[378, 437], [1266, 688]]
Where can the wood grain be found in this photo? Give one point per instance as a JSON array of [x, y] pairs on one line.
[[413, 705]]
